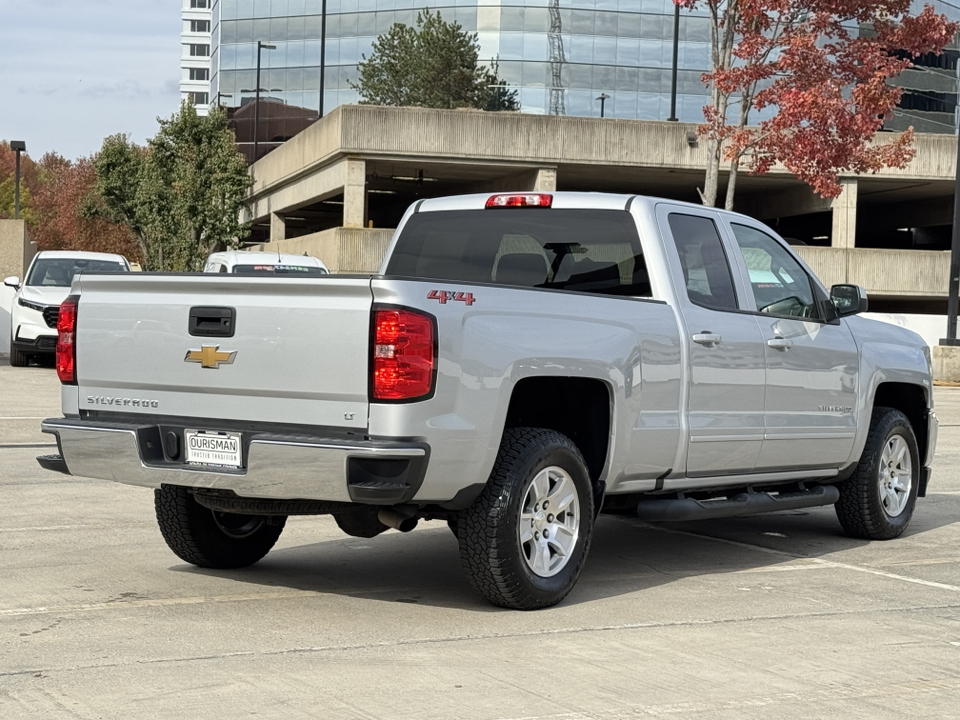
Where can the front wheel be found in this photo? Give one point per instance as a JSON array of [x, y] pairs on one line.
[[18, 358], [877, 501], [524, 541], [209, 538]]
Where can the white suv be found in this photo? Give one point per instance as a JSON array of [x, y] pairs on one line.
[[36, 304]]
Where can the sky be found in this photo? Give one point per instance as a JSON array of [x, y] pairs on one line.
[[75, 71]]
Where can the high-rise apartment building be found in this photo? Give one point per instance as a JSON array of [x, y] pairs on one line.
[[562, 56], [195, 41]]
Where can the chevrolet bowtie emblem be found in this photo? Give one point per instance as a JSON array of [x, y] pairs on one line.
[[209, 356]]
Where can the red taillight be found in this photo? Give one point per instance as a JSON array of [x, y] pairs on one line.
[[67, 341], [520, 200], [404, 349]]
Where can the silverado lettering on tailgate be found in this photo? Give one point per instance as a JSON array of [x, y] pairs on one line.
[[125, 402]]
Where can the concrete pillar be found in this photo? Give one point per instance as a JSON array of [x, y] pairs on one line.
[[845, 215], [946, 364], [278, 227], [355, 194], [535, 179], [16, 252], [545, 180]]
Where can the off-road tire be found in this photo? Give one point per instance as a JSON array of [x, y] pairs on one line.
[[17, 357], [360, 522], [860, 508], [488, 530], [196, 534]]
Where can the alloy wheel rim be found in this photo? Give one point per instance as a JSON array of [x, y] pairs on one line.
[[895, 476], [549, 521]]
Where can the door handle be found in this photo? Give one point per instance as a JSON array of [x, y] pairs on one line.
[[707, 339], [212, 321], [780, 343]]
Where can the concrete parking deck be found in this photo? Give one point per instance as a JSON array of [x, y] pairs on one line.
[[771, 616]]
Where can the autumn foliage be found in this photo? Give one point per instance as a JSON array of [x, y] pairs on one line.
[[60, 203], [824, 67]]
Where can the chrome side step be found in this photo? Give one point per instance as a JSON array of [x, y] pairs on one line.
[[745, 503]]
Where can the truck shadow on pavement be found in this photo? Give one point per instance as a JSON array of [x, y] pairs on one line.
[[627, 556]]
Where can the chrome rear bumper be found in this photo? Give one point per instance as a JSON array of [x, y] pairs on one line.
[[278, 466]]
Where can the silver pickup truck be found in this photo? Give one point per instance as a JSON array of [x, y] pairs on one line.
[[521, 361]]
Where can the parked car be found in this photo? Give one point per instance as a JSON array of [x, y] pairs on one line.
[[243, 262], [521, 362], [36, 304]]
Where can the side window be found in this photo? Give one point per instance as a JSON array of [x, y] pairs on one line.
[[704, 262], [779, 283], [223, 269]]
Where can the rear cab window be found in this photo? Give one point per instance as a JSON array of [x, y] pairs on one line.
[[706, 270], [593, 251]]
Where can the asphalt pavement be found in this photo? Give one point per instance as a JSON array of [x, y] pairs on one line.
[[774, 616]]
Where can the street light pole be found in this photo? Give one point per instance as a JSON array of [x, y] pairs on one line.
[[954, 286], [256, 108], [673, 76], [603, 99], [18, 146], [323, 52]]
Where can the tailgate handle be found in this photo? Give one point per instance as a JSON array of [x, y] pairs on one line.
[[212, 321]]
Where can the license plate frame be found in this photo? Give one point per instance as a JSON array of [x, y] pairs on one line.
[[212, 448]]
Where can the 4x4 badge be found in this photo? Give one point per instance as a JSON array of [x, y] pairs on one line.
[[444, 295], [209, 356]]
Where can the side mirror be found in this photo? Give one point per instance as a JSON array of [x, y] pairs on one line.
[[12, 281], [848, 299]]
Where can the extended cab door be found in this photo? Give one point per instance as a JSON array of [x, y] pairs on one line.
[[725, 353], [812, 365]]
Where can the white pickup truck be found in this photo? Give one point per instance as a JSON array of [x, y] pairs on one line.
[[521, 361]]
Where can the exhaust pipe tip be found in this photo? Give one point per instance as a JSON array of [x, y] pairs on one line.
[[398, 519]]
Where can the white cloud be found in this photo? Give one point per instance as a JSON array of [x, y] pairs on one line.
[[77, 72]]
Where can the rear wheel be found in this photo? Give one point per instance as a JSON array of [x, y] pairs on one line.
[[877, 501], [524, 541], [210, 538]]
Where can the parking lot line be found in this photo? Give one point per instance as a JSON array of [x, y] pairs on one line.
[[819, 561]]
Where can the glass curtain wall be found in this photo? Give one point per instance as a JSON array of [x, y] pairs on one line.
[[930, 87], [559, 54]]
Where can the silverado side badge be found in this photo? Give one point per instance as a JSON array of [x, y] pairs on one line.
[[209, 356]]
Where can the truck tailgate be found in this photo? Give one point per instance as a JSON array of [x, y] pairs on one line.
[[298, 352]]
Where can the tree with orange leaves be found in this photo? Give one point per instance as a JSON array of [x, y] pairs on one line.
[[823, 67], [61, 206], [69, 214]]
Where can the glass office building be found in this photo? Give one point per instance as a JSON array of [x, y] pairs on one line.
[[560, 55]]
